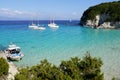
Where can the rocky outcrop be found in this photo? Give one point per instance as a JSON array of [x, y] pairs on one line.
[[111, 25], [99, 22], [104, 15]]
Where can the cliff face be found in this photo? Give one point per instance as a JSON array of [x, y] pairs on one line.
[[102, 16], [99, 22]]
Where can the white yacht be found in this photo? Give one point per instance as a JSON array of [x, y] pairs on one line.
[[13, 52], [33, 26], [40, 27], [53, 25], [36, 27]]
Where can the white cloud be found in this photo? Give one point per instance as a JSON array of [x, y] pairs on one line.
[[4, 9], [18, 14], [8, 12], [24, 15]]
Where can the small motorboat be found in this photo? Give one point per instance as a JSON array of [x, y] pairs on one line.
[[15, 56], [13, 52]]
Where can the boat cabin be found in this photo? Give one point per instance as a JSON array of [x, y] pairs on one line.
[[13, 49]]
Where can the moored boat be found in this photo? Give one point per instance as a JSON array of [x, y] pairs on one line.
[[33, 26], [36, 27], [13, 52], [52, 24], [40, 27]]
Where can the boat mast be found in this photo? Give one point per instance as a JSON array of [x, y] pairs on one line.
[[52, 20]]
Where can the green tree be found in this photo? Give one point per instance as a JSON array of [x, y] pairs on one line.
[[23, 74], [87, 68], [71, 68], [4, 67], [91, 68]]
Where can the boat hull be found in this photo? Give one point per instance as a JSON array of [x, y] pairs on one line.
[[53, 25], [15, 58]]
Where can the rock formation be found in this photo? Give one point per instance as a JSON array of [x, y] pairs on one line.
[[105, 15]]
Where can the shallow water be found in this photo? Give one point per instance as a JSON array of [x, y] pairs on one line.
[[62, 43]]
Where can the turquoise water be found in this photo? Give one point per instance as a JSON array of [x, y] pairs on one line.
[[61, 44]]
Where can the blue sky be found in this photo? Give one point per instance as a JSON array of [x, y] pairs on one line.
[[45, 9]]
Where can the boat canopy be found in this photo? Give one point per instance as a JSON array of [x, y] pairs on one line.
[[12, 47]]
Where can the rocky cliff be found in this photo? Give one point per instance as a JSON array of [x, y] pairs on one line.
[[105, 15]]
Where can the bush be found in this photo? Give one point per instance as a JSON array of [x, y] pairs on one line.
[[4, 67], [87, 68]]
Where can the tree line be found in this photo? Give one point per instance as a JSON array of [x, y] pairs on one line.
[[87, 68]]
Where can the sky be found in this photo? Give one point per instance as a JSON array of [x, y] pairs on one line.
[[45, 9]]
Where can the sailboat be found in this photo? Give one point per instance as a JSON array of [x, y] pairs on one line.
[[33, 25], [52, 24], [36, 27], [40, 27]]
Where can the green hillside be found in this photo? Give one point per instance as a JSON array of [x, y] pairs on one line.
[[112, 9]]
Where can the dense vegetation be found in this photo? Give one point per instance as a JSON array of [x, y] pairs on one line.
[[87, 68], [112, 9], [4, 67]]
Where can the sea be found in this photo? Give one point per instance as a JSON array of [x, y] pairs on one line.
[[69, 40]]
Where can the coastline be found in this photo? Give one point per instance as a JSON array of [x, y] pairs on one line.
[[13, 70]]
